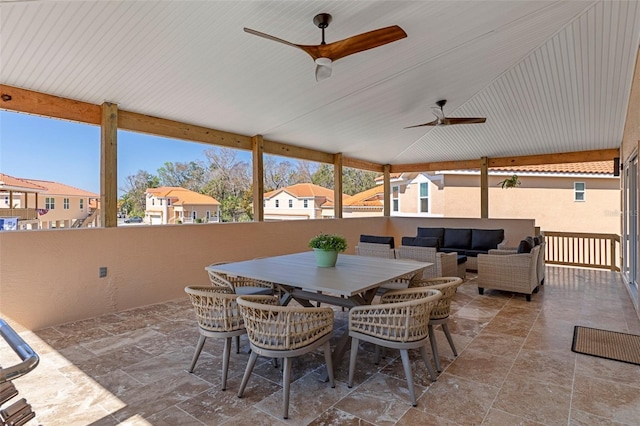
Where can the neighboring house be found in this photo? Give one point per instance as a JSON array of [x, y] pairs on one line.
[[299, 201], [365, 203], [170, 204], [41, 204], [574, 197]]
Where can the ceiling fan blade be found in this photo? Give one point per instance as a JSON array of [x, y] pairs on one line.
[[270, 37], [355, 44], [465, 120], [438, 113], [431, 123], [323, 68]]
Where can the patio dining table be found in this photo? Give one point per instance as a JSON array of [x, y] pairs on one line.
[[354, 280]]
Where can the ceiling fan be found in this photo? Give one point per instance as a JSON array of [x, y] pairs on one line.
[[325, 54], [442, 120]]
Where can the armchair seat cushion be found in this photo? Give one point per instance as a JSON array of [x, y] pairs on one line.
[[421, 241], [475, 253], [462, 259]]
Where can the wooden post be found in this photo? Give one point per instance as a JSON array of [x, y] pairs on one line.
[[109, 165], [337, 185], [257, 146], [387, 191], [612, 260], [484, 188]]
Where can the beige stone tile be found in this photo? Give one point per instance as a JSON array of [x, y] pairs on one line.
[[149, 369], [537, 401], [216, 406], [606, 369], [555, 367], [333, 416], [580, 418], [466, 327], [458, 400], [415, 416], [112, 360], [254, 417], [497, 344], [608, 399], [513, 326], [369, 402], [174, 416], [481, 367], [500, 418], [309, 397]]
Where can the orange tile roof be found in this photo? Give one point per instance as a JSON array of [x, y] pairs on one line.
[[182, 196], [370, 198], [391, 176], [303, 190], [14, 182], [57, 188], [593, 167]]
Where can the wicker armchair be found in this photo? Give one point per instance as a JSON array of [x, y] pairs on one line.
[[445, 264], [375, 250], [284, 332], [401, 322], [440, 313], [509, 272], [239, 285], [540, 264], [218, 317]]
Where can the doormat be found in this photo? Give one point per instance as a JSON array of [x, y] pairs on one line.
[[606, 344]]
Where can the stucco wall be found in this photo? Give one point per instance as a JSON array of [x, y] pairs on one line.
[[49, 277]]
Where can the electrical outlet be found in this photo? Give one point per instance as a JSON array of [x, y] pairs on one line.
[[103, 271]]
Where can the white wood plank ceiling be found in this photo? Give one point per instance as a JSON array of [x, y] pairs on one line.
[[550, 76]]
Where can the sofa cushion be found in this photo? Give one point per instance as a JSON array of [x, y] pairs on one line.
[[432, 233], [486, 239], [538, 239], [457, 238], [461, 259], [421, 242], [451, 250], [531, 241], [525, 246], [376, 239]]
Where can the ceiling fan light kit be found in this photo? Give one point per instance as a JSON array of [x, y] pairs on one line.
[[326, 54]]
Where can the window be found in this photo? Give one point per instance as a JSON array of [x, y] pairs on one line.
[[6, 200], [277, 203], [194, 215], [424, 197], [306, 204], [169, 202], [153, 201], [290, 203], [208, 215], [49, 203], [81, 203], [394, 198], [160, 201], [65, 203], [578, 191]]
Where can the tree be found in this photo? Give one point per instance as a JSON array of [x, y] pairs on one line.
[[229, 180], [353, 180], [133, 199], [189, 175]]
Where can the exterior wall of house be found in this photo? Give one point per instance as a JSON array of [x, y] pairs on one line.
[[297, 209], [58, 217], [548, 200], [62, 284], [410, 197]]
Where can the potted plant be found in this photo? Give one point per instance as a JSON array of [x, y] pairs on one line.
[[327, 247], [510, 182]]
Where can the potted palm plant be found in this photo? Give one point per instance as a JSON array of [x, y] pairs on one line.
[[510, 182], [326, 248]]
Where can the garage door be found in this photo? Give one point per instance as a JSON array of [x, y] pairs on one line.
[[156, 219]]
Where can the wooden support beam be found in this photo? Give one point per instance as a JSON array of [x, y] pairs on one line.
[[362, 165], [562, 157], [277, 148], [387, 191], [174, 129], [484, 188], [30, 102], [258, 178], [109, 165], [337, 186], [432, 167]]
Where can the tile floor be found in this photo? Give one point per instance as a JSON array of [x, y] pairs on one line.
[[515, 366]]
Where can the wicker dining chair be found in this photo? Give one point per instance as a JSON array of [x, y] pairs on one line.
[[240, 285], [284, 332], [401, 322], [386, 252], [440, 313], [218, 317]]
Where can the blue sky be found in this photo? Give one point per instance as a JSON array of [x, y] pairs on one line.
[[67, 152]]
